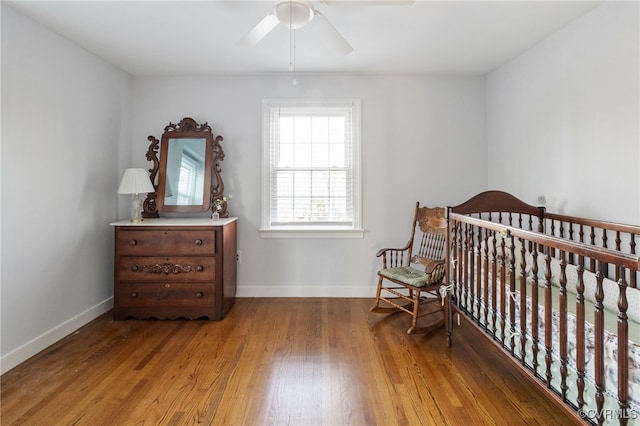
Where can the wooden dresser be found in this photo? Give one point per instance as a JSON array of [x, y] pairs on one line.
[[174, 268]]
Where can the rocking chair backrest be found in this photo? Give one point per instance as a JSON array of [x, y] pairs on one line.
[[432, 224]]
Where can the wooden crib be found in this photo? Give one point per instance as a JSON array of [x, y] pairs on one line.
[[558, 294]]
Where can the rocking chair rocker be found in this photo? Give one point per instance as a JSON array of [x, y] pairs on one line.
[[411, 276]]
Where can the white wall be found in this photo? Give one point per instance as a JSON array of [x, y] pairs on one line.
[[563, 118], [65, 142], [415, 131]]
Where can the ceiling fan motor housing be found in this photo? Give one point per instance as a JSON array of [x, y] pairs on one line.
[[294, 14]]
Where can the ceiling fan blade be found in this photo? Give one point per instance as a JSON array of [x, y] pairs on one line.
[[258, 32], [336, 38]]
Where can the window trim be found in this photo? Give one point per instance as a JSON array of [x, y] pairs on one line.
[[311, 231]]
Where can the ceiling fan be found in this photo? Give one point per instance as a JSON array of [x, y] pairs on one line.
[[294, 14]]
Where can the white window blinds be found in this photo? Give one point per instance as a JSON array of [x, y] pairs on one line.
[[311, 177]]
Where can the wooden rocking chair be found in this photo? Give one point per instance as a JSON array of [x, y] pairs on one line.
[[412, 276]]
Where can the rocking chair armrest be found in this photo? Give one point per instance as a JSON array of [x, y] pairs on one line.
[[384, 250], [394, 257], [430, 265]]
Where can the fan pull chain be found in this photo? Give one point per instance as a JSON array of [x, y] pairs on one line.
[[292, 55], [292, 46]]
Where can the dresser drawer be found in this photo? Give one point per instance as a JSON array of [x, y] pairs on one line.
[[170, 269], [149, 241], [160, 295]]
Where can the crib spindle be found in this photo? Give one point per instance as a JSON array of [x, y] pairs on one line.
[[534, 312], [592, 242], [485, 277], [470, 265], [623, 349], [477, 278], [599, 346], [563, 326], [553, 233], [471, 298], [633, 275], [512, 290], [493, 284], [503, 289], [467, 287], [469, 258], [459, 289], [523, 302], [548, 319], [580, 326], [605, 241]]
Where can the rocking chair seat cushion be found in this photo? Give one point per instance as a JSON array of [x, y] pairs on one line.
[[409, 275]]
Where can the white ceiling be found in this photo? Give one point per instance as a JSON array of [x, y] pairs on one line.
[[199, 37]]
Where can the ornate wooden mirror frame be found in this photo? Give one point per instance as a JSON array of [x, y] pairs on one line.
[[193, 150]]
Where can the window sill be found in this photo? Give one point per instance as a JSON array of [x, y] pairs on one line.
[[311, 233]]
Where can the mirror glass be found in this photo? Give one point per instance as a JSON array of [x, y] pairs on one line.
[[185, 172], [184, 181]]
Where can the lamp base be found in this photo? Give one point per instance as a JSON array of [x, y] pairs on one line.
[[136, 208]]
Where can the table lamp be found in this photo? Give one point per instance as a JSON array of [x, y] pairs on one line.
[[135, 181]]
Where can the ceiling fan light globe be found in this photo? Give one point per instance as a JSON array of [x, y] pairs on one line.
[[294, 14]]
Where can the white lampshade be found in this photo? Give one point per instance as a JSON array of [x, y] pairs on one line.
[[135, 181]]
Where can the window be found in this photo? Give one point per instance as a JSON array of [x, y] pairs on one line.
[[187, 193], [311, 176]]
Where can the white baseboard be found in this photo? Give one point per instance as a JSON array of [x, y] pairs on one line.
[[29, 349], [305, 291]]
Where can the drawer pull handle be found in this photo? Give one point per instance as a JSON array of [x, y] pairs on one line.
[[198, 242], [167, 285], [134, 294], [133, 242], [199, 268], [199, 295], [134, 268]]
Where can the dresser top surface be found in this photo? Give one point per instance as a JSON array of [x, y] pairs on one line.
[[181, 221]]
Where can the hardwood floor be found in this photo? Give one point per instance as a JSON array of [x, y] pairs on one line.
[[272, 362]]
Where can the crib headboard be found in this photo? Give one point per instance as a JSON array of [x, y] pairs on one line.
[[502, 207], [497, 201]]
